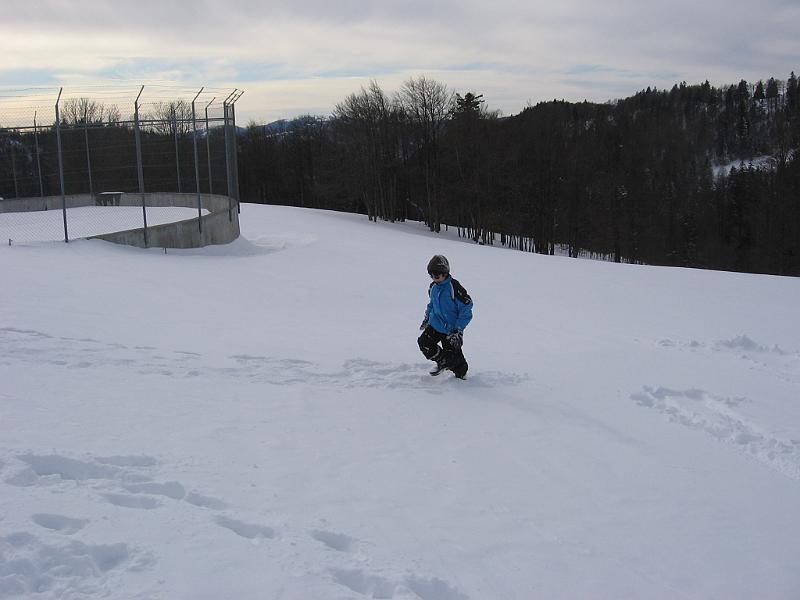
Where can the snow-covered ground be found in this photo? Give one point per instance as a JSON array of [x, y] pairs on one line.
[[255, 421], [84, 221], [758, 162]]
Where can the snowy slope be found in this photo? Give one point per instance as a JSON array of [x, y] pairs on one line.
[[255, 421]]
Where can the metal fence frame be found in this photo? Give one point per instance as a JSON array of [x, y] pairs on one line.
[[138, 124]]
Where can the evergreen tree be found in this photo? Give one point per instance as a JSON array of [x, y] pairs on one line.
[[792, 99], [759, 92], [630, 180], [772, 94]]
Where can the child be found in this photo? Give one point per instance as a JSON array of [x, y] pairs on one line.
[[449, 311]]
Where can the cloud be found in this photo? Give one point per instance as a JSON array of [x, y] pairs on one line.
[[303, 56]]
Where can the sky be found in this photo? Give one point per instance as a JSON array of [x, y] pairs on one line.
[[304, 56]]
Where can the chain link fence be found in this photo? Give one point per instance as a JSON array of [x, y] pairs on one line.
[[56, 144]]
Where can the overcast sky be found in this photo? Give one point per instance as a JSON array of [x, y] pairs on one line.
[[304, 56]]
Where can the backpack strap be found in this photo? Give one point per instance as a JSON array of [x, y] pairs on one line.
[[459, 293]]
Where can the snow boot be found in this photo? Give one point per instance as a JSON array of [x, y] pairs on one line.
[[460, 370], [438, 369], [441, 364]]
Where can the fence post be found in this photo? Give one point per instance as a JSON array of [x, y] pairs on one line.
[[86, 138], [208, 149], [139, 160], [177, 157], [61, 165], [236, 154], [196, 164], [38, 159], [13, 153], [227, 159], [228, 165]]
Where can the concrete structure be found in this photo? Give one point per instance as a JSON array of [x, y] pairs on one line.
[[219, 226]]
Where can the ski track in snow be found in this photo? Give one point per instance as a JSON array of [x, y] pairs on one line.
[[55, 565], [717, 415], [773, 360], [28, 346]]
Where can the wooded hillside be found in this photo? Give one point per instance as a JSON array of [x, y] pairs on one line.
[[639, 179]]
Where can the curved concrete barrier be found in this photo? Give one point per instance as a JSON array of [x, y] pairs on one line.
[[219, 226]]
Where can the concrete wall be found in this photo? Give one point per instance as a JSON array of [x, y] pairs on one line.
[[220, 226]]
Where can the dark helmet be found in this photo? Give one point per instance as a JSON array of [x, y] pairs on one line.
[[439, 264]]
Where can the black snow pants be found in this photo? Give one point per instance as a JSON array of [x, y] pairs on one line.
[[453, 357]]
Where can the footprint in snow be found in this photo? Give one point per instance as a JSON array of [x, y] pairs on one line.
[[245, 530], [433, 589], [59, 523], [334, 541], [717, 417], [127, 461], [170, 489], [128, 501], [30, 346], [375, 586], [202, 501], [129, 473], [371, 586], [52, 469], [68, 468], [32, 567]]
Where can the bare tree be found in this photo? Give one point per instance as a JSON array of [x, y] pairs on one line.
[[113, 114], [370, 122], [170, 118], [428, 104], [83, 110]]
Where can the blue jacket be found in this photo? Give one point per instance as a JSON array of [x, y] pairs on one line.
[[450, 307]]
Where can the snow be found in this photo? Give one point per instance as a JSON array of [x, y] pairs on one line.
[[758, 162], [763, 162], [255, 421]]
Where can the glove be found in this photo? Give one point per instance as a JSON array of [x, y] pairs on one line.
[[455, 338], [424, 324]]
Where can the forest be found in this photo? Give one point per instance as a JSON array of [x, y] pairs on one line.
[[695, 176]]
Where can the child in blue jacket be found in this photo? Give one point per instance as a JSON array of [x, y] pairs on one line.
[[448, 313]]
